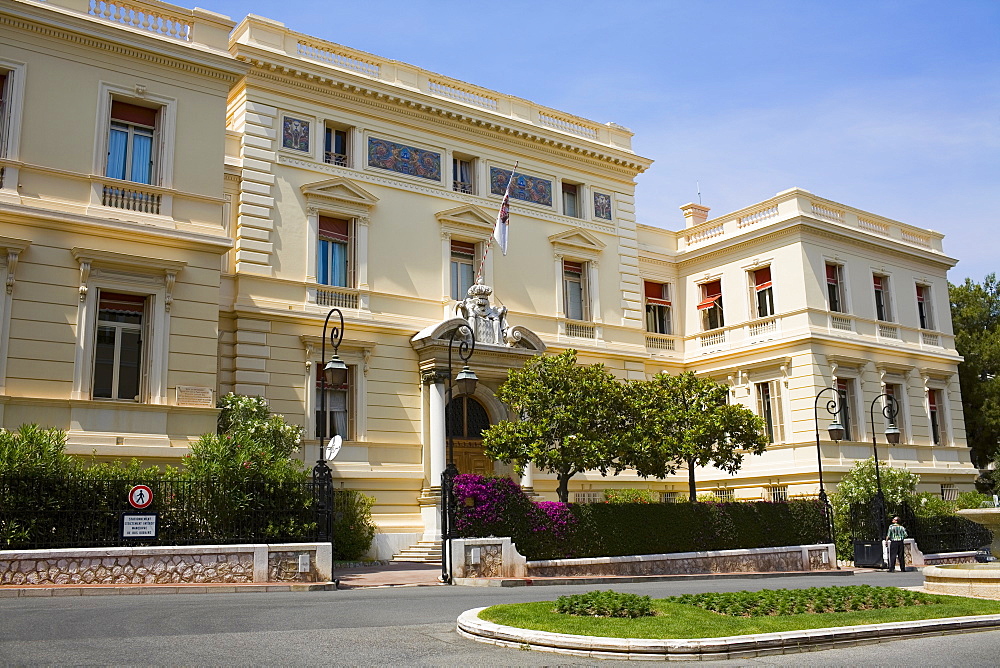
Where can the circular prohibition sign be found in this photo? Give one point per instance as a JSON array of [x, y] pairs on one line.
[[140, 496]]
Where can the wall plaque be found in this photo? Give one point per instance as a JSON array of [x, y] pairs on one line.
[[202, 397]]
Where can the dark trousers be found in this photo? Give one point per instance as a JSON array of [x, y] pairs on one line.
[[896, 551]]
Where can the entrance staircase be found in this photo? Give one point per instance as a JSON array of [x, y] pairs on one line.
[[422, 552]]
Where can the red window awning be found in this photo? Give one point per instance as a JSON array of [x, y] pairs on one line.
[[710, 294], [762, 278], [334, 229], [133, 113], [655, 293], [831, 274]]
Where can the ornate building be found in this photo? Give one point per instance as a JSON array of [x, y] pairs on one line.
[[136, 293]]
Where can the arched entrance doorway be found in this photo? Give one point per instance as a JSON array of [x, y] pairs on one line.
[[466, 419]]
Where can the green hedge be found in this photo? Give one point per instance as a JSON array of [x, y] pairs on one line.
[[548, 530]]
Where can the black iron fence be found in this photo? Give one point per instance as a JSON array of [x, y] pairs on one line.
[[52, 513], [939, 533]]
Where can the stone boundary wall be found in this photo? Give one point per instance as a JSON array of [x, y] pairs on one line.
[[167, 565], [817, 557]]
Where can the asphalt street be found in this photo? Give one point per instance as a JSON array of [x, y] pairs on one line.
[[399, 626]]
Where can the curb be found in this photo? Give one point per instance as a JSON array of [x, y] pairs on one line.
[[713, 649], [624, 579], [131, 590]]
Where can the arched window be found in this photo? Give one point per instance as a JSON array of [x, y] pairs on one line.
[[466, 418]]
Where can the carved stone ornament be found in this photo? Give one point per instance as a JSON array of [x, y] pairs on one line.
[[488, 322]]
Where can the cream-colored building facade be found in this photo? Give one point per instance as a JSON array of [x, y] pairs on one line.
[[289, 175]]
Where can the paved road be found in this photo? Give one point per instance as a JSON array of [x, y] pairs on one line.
[[403, 626]]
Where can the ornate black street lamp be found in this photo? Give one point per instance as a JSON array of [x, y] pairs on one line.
[[834, 407], [335, 375], [466, 381], [890, 410]]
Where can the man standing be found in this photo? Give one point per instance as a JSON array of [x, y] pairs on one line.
[[895, 536]]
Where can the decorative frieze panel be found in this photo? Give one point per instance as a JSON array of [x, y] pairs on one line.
[[527, 188], [602, 206], [404, 159]]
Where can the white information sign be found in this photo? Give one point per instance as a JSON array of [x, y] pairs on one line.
[[135, 525]]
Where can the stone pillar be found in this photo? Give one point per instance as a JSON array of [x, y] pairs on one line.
[[527, 478], [430, 498]]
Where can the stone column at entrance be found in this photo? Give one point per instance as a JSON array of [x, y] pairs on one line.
[[527, 479], [430, 500]]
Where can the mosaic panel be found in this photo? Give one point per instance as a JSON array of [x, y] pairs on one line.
[[404, 159], [527, 188], [602, 206], [295, 134]]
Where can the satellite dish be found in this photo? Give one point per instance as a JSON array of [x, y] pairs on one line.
[[333, 447]]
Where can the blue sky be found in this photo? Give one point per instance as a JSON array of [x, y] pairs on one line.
[[888, 106]]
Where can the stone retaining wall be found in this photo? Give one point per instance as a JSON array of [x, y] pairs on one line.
[[166, 565], [758, 560]]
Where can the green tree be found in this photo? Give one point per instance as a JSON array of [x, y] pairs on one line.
[[568, 418], [859, 486], [684, 420], [252, 444], [975, 314]]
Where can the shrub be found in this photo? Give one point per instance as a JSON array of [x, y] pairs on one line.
[[628, 496], [605, 604], [798, 601], [353, 528]]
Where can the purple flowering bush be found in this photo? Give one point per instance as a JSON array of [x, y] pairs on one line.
[[497, 506]]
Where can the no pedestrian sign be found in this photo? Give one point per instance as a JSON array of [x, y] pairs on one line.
[[140, 496]]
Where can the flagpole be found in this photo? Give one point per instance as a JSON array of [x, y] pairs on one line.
[[502, 218]]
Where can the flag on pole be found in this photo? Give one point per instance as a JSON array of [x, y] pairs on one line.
[[503, 217]]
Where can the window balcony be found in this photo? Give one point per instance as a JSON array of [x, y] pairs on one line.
[[339, 159], [660, 342], [327, 295]]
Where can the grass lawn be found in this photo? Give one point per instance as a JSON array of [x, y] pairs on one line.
[[676, 620]]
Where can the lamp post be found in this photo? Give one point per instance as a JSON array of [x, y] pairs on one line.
[[834, 407], [466, 381], [334, 374], [890, 410]]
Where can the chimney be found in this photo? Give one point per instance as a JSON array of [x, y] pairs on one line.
[[694, 214]]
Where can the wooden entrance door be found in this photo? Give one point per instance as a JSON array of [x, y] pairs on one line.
[[466, 419]]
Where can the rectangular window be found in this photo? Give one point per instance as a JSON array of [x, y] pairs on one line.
[[118, 350], [588, 497], [4, 111], [575, 296], [338, 407], [711, 305], [658, 310], [846, 390], [769, 408], [670, 497], [334, 265], [834, 288], [724, 495], [131, 146], [949, 492], [934, 408], [777, 493], [882, 307], [463, 258], [571, 200], [763, 297], [461, 175], [924, 307], [896, 392], [336, 150]]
